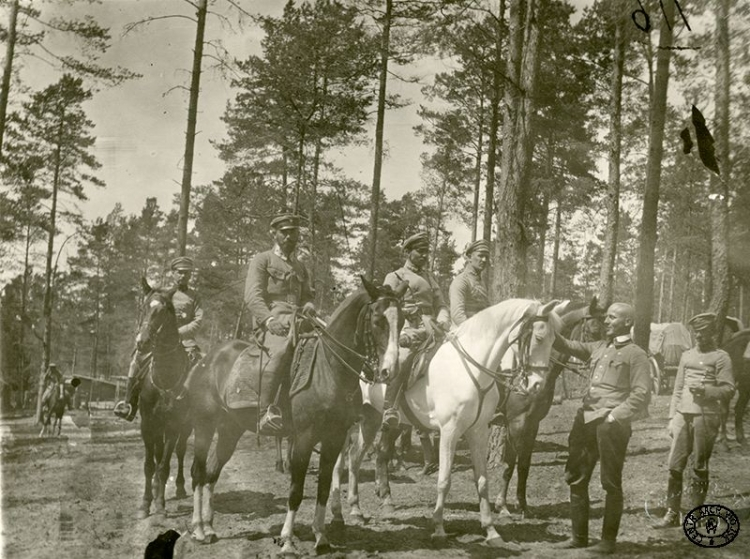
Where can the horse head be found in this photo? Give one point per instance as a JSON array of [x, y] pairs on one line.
[[158, 316], [384, 325], [535, 338]]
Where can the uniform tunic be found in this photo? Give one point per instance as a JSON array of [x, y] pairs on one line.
[[423, 298], [468, 295], [696, 419], [189, 312]]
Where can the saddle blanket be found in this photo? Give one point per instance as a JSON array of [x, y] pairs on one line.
[[241, 386]]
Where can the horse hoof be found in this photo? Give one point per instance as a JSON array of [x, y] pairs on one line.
[[141, 514], [180, 493], [211, 538], [357, 519], [430, 469], [503, 512], [439, 540], [387, 510], [322, 548], [496, 541], [280, 467]]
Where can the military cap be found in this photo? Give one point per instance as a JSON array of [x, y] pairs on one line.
[[479, 244], [420, 240], [702, 321], [287, 221], [182, 263]]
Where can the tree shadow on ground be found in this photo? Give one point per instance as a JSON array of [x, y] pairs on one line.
[[549, 446], [240, 502]]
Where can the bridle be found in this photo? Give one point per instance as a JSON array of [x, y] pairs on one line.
[[363, 337], [150, 356]]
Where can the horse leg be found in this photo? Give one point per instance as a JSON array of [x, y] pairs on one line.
[[526, 448], [382, 481], [302, 447], [428, 453], [739, 413], [162, 471], [149, 466], [448, 443], [279, 455], [478, 439], [338, 472], [204, 434], [507, 465], [180, 450], [365, 437], [330, 450], [229, 435]]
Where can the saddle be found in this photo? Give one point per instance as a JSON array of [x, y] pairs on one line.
[[421, 357], [240, 389]]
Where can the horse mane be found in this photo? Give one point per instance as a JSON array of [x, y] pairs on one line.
[[475, 324], [357, 299]]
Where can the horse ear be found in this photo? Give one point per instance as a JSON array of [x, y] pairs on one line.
[[371, 288], [552, 305], [560, 307], [145, 286]]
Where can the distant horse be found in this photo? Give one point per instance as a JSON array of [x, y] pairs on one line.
[[60, 398], [164, 419], [524, 410], [458, 395], [735, 347], [362, 333]]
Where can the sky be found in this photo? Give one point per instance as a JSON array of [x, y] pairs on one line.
[[140, 125]]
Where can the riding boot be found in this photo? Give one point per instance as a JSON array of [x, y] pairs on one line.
[[499, 417], [126, 409], [579, 518], [674, 498], [391, 415], [613, 503], [698, 491], [194, 356], [270, 422]]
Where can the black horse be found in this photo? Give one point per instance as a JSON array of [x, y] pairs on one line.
[[524, 411], [735, 347], [54, 408], [164, 419], [362, 334]]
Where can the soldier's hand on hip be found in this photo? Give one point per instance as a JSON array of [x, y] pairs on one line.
[[308, 309]]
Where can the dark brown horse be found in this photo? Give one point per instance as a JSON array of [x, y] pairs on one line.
[[362, 334], [54, 408], [164, 419], [735, 347], [524, 411]]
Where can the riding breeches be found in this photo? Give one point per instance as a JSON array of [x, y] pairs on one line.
[[693, 434], [280, 353]]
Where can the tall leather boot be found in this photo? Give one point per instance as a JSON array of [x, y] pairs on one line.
[[674, 497], [613, 504], [194, 356], [579, 519], [390, 405], [698, 491]]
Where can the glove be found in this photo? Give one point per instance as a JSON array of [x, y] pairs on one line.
[[309, 309], [276, 328], [444, 325]]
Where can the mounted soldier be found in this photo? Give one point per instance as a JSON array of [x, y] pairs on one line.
[[425, 311], [189, 314], [53, 378], [468, 291], [276, 289]]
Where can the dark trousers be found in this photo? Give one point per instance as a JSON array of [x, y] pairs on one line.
[[279, 360], [589, 443], [691, 434]]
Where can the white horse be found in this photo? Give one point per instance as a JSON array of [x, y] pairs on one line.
[[458, 396]]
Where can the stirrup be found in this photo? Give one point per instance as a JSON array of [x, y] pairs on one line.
[[391, 418], [271, 424], [124, 411], [498, 419]]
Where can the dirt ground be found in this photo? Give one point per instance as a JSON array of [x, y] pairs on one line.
[[76, 497]]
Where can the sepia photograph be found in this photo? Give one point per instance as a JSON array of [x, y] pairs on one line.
[[374, 278]]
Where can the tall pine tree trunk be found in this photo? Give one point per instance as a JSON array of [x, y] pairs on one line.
[[644, 294], [609, 250], [556, 250], [510, 247], [720, 185], [478, 172], [497, 94], [385, 46], [10, 48], [187, 169]]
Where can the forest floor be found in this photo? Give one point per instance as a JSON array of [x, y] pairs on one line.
[[76, 496]]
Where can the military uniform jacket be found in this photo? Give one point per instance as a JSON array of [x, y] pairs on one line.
[[424, 293], [189, 313], [713, 370], [468, 295], [275, 285], [620, 382]]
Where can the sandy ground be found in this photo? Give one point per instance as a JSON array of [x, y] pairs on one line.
[[76, 497]]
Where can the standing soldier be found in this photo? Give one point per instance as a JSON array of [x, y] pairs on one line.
[[423, 305], [277, 286], [468, 292], [618, 394], [704, 382], [189, 314]]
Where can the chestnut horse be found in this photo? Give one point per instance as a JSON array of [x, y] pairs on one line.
[[361, 334]]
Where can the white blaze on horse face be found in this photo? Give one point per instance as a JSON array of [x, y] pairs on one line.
[[540, 348], [389, 361]]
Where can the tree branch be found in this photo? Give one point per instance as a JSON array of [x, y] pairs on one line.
[[131, 26]]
